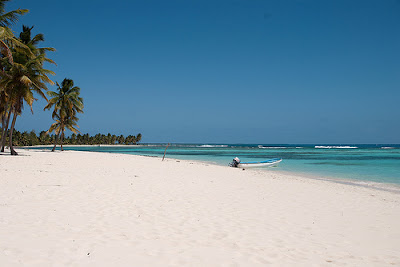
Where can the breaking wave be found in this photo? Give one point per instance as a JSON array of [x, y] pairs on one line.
[[212, 146], [278, 147], [335, 147]]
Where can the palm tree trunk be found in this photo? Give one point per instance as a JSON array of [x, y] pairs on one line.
[[3, 118], [55, 143], [13, 152], [5, 129], [61, 141]]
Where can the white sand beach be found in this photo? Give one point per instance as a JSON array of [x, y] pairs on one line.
[[98, 209]]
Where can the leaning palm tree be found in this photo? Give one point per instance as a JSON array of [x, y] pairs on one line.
[[66, 102], [21, 82], [24, 76], [7, 41]]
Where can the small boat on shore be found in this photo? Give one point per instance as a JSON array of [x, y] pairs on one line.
[[254, 164]]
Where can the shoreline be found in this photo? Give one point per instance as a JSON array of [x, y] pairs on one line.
[[391, 187], [79, 208]]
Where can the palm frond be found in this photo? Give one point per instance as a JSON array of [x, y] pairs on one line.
[[38, 38], [72, 128], [46, 49], [50, 61], [25, 80], [39, 91], [53, 127], [52, 94], [9, 18], [28, 97]]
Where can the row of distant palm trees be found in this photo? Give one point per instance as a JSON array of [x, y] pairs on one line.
[[22, 73], [44, 138]]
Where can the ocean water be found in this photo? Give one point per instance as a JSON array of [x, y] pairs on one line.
[[371, 163]]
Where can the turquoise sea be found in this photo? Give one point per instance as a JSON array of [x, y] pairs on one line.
[[358, 163]]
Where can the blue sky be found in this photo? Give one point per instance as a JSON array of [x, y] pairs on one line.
[[219, 71]]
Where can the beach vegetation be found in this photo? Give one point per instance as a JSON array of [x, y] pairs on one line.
[[43, 138], [24, 76], [66, 103], [7, 41]]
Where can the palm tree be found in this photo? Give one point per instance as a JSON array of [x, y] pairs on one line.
[[60, 125], [121, 139], [6, 20], [67, 103], [32, 43], [4, 117], [9, 18], [7, 40], [23, 77], [7, 37], [113, 139], [138, 138]]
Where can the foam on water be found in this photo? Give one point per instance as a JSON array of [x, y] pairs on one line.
[[272, 147], [212, 146], [329, 147]]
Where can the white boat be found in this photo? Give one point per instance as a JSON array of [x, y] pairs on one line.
[[256, 164]]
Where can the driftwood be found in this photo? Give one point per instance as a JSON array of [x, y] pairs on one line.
[[165, 152]]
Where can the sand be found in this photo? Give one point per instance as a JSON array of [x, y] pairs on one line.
[[97, 209]]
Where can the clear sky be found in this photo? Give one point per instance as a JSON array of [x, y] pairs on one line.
[[218, 71]]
